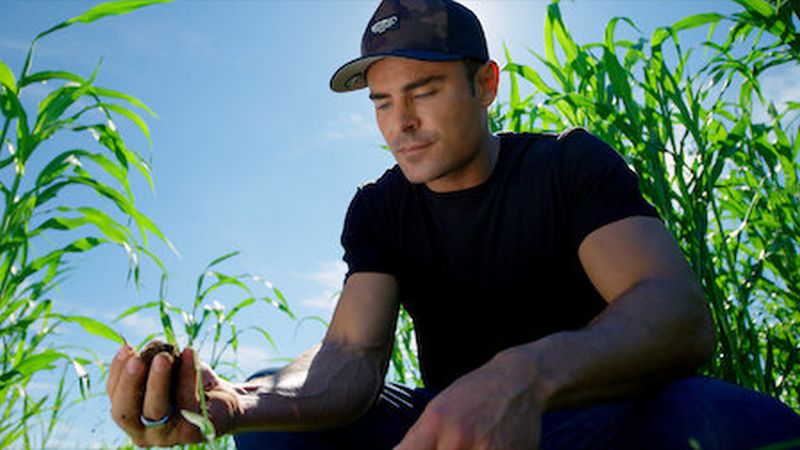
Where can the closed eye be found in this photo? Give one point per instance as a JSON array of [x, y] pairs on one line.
[[425, 94]]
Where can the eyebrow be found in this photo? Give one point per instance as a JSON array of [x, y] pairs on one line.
[[410, 86]]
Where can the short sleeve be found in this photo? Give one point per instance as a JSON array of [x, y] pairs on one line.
[[364, 236], [600, 187]]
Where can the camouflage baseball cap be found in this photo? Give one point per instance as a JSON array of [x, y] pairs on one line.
[[431, 30]]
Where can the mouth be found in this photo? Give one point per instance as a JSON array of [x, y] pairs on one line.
[[413, 148]]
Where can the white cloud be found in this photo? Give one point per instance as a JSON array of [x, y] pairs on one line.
[[349, 126], [138, 326], [783, 84], [328, 278], [251, 358]]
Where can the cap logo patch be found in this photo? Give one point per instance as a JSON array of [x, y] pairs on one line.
[[382, 25]]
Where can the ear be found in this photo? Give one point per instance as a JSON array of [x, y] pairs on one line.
[[486, 81]]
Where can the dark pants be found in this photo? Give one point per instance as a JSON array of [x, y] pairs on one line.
[[691, 413]]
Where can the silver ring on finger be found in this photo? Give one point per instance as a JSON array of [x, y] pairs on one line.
[[149, 423]]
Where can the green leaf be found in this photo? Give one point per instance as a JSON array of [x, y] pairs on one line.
[[223, 280], [221, 259], [759, 6], [132, 116], [549, 43], [53, 106], [94, 327], [513, 96], [265, 335], [110, 138], [659, 36], [103, 10], [51, 75], [166, 323], [205, 425], [35, 363], [72, 159], [7, 78], [530, 75], [697, 20], [104, 92], [305, 319], [135, 309], [76, 246], [243, 304]]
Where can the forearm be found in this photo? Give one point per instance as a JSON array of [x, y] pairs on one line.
[[644, 336], [329, 385]]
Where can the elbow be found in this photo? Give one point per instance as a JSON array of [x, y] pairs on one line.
[[360, 401], [358, 382]]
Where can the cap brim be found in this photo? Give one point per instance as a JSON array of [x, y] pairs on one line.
[[353, 75]]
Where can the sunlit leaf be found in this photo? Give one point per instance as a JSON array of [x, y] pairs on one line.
[[103, 10], [7, 78], [94, 327]]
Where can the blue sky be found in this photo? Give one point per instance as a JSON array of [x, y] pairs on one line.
[[251, 150]]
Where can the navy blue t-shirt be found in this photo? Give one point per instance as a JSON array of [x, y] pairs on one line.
[[496, 265]]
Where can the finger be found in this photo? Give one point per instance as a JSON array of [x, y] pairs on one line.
[[126, 403], [186, 395], [117, 366], [156, 396], [417, 438]]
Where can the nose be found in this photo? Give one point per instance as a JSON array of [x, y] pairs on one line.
[[408, 119]]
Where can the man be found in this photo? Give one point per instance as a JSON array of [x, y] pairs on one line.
[[552, 307]]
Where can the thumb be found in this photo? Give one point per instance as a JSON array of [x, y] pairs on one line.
[[208, 377]]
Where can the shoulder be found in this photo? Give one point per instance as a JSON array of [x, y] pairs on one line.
[[380, 197], [527, 141], [581, 145], [390, 184]]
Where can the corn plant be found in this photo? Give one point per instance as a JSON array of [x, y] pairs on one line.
[[724, 180], [39, 231]]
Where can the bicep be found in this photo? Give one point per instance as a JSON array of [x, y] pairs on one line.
[[621, 254], [365, 315]]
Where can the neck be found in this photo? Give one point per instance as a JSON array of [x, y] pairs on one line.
[[475, 172]]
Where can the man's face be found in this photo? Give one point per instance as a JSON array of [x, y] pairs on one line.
[[431, 120]]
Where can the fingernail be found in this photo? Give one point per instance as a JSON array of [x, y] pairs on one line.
[[124, 352], [133, 365], [160, 363]]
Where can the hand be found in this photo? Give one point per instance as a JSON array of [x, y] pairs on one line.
[[487, 409], [130, 398]]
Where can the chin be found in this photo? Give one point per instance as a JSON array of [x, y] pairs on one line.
[[415, 176]]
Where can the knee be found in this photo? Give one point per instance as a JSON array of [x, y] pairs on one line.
[[276, 440], [717, 414]]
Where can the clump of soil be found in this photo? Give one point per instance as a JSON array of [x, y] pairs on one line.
[[155, 347]]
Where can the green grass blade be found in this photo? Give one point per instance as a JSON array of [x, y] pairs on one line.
[[7, 78], [697, 20], [135, 309], [110, 93], [265, 335], [132, 116], [94, 327], [37, 362], [531, 76], [220, 259], [102, 10], [49, 75], [243, 304]]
